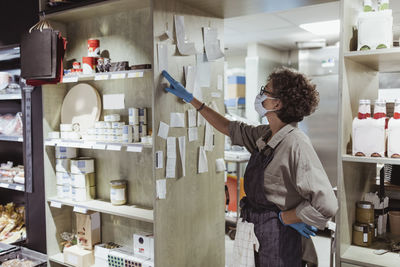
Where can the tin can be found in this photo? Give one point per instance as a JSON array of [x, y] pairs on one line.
[[143, 115], [93, 48], [88, 65]]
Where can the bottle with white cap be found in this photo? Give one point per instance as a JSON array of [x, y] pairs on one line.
[[361, 124], [394, 132]]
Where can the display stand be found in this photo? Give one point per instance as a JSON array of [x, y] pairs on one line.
[[188, 225], [357, 175]]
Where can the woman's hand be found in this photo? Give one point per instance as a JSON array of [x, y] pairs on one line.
[[304, 229], [177, 88]]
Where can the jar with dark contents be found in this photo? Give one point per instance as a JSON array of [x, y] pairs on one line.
[[362, 235], [365, 212]]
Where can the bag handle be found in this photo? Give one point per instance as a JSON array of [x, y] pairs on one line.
[[42, 24]]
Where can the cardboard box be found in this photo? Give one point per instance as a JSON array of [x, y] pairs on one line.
[[83, 180], [143, 245], [82, 194], [78, 257], [236, 90], [66, 152], [82, 165], [88, 229]]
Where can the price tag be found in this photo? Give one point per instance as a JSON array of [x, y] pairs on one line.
[[86, 145], [55, 204], [19, 188], [72, 79], [50, 143], [99, 146], [80, 209], [20, 139], [114, 147], [101, 77], [4, 185], [134, 148], [118, 76], [135, 74]]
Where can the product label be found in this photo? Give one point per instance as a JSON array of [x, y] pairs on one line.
[[81, 164], [365, 237], [117, 194]]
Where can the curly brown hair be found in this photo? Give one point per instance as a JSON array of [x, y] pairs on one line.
[[296, 92]]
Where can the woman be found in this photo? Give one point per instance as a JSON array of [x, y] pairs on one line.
[[288, 194]]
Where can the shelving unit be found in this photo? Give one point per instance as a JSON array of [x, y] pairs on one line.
[[357, 175], [189, 224], [11, 186]]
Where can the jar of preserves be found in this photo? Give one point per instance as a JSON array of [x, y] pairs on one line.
[[362, 235], [365, 212], [118, 192]]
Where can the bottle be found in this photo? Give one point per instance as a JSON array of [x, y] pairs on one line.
[[364, 109], [394, 132], [367, 5], [380, 109], [396, 114], [383, 5], [378, 129]]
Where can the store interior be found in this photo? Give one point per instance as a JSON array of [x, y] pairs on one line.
[[96, 169]]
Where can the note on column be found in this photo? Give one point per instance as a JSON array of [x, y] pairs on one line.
[[190, 77], [161, 189], [163, 130], [220, 82], [162, 50], [212, 44], [182, 151], [208, 137], [192, 117], [203, 70], [203, 163], [184, 47], [200, 120], [193, 134], [171, 157], [220, 165], [177, 120]]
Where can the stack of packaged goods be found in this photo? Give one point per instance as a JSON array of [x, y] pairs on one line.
[[63, 163], [109, 130], [83, 179], [69, 132], [137, 124]]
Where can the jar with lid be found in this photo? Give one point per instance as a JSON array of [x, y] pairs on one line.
[[365, 212], [362, 235], [118, 192], [374, 230], [364, 109], [380, 109]]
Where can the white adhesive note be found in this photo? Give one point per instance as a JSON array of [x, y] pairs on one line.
[[159, 159], [55, 204], [192, 117], [163, 130], [208, 137], [212, 44], [215, 94], [193, 134], [197, 92], [161, 189], [185, 47], [220, 82], [203, 163], [182, 151], [203, 71], [200, 120], [177, 120], [162, 50], [220, 165], [171, 166], [114, 101], [171, 147], [190, 78]]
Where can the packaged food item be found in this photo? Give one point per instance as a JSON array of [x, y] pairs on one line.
[[78, 257], [63, 178], [133, 116], [112, 118], [83, 180], [88, 229], [365, 212], [94, 48], [65, 152], [82, 194], [54, 135], [143, 244], [394, 132], [82, 165], [362, 235], [118, 192], [143, 115]]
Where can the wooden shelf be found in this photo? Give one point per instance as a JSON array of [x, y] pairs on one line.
[[10, 96], [97, 9], [128, 74], [365, 257], [16, 187], [384, 60], [127, 211], [59, 258], [129, 147], [11, 138], [378, 160]]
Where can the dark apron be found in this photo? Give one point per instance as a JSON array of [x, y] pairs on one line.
[[280, 246]]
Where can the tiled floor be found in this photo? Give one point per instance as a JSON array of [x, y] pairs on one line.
[[321, 243]]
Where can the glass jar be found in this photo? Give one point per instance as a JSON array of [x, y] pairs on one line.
[[367, 6], [118, 192], [362, 235], [396, 114], [374, 231], [380, 109], [365, 212], [364, 109]]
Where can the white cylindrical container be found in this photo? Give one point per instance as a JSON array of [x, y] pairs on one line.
[[66, 128], [143, 115], [83, 194], [54, 135], [396, 114], [82, 165], [116, 125], [116, 131], [65, 152], [135, 133], [118, 192], [100, 124], [100, 131], [133, 116], [112, 118], [63, 165], [64, 191], [63, 178], [127, 134], [83, 180]]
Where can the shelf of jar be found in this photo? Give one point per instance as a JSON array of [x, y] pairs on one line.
[[378, 160], [104, 76], [93, 9], [383, 60], [127, 211], [129, 147]]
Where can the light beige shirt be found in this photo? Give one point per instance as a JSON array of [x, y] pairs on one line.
[[295, 177]]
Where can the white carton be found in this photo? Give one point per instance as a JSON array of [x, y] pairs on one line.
[[82, 165], [375, 28], [78, 257], [369, 136], [63, 178], [83, 180], [63, 165], [66, 152], [393, 137], [143, 245]]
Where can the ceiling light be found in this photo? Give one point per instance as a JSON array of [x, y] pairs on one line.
[[323, 27]]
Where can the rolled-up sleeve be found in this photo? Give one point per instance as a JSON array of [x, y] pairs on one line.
[[242, 134], [320, 203]]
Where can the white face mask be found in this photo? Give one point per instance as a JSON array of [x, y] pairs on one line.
[[259, 106]]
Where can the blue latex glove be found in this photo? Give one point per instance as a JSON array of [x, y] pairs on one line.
[[177, 88], [304, 229]]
